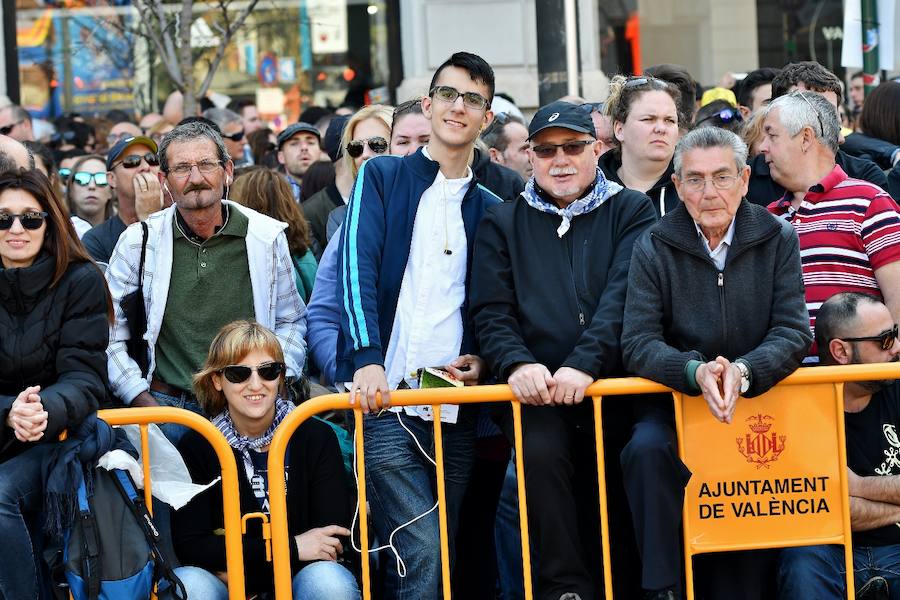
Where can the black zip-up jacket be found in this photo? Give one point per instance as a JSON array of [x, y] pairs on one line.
[[680, 307], [663, 194], [539, 298], [55, 337], [501, 180]]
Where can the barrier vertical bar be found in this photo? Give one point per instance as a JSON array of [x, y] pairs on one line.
[[601, 490], [845, 491], [523, 504], [677, 400], [363, 513], [442, 500], [145, 460]]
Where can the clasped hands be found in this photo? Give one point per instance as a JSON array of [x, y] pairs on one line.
[[532, 383], [27, 417], [720, 383]]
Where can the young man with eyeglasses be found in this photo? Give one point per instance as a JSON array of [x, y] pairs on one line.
[[548, 293], [693, 324], [132, 166], [208, 262], [403, 287], [855, 328], [849, 229]]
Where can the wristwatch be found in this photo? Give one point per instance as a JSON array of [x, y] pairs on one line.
[[745, 375]]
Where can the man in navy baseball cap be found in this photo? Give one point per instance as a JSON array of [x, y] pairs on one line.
[[574, 117]]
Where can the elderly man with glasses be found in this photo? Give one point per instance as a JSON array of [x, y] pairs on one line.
[[855, 328], [548, 293], [715, 308], [849, 229], [208, 262]]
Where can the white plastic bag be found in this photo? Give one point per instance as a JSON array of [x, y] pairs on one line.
[[169, 475]]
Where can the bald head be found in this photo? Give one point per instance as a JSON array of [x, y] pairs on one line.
[[13, 155]]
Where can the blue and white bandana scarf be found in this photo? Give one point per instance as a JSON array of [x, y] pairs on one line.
[[603, 189], [244, 444]]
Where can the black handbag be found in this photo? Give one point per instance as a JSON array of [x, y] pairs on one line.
[[136, 313]]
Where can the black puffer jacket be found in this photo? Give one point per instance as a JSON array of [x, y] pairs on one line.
[[55, 337]]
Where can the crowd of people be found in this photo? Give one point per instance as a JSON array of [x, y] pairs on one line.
[[712, 240]]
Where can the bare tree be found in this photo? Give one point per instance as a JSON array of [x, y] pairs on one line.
[[168, 28]]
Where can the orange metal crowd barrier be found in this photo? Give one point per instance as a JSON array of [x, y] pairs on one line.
[[143, 417], [803, 404]]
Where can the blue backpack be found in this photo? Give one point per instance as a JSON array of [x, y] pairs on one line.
[[115, 556]]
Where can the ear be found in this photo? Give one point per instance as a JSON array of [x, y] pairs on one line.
[[618, 126], [162, 178], [229, 172], [840, 351], [217, 381], [745, 112], [426, 107], [111, 178], [496, 156], [488, 118], [280, 157]]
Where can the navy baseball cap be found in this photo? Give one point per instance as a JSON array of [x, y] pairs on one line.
[[562, 114], [294, 129], [123, 144], [332, 141]]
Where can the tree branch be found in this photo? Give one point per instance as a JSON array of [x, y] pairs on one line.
[[231, 29]]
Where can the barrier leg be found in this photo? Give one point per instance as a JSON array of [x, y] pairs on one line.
[[677, 399], [363, 513], [523, 505], [845, 491], [601, 489], [442, 500]]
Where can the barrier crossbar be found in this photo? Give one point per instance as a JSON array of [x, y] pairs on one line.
[[502, 393], [142, 417]]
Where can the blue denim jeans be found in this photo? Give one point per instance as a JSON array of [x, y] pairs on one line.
[[187, 401], [323, 580], [21, 502], [401, 487], [818, 571], [508, 538]]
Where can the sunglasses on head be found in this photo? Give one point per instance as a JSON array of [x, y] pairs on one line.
[[726, 115], [134, 160], [234, 137], [269, 371], [885, 339], [574, 148], [84, 178], [6, 129], [378, 145], [29, 220]]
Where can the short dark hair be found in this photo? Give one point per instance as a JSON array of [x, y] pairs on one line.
[[686, 86], [880, 115], [477, 68], [8, 163], [811, 74], [753, 80], [857, 74], [833, 317]]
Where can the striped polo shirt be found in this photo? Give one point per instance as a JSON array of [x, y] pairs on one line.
[[848, 228]]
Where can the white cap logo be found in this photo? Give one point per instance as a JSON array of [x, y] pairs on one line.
[[553, 117]]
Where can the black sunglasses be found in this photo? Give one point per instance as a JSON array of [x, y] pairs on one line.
[[726, 115], [7, 128], [269, 371], [134, 160], [30, 220], [234, 137], [886, 338], [378, 145], [569, 148]]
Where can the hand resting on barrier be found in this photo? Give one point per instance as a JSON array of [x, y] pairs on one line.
[[720, 381], [367, 382]]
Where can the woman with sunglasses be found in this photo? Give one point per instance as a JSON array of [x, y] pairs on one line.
[[366, 135], [54, 330], [87, 192], [644, 112], [241, 387]]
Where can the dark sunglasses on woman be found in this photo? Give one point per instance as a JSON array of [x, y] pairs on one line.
[[269, 371], [29, 220], [84, 178], [378, 145], [134, 160]]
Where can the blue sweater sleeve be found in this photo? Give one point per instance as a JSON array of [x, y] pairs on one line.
[[323, 315], [359, 263]]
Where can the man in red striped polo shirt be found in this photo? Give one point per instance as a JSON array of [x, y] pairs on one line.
[[849, 229]]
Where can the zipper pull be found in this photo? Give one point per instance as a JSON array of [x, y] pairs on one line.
[[581, 318], [721, 279]]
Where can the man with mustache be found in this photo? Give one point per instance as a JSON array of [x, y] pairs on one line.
[[855, 328], [208, 262], [548, 294]]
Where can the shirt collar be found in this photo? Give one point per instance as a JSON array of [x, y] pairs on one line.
[[440, 176], [727, 239], [189, 233]]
